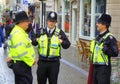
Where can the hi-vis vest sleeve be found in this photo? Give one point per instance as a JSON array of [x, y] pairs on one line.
[[20, 47]]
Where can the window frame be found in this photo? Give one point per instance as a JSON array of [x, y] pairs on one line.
[[93, 19]]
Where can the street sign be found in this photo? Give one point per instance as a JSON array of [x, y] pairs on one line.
[[25, 2]]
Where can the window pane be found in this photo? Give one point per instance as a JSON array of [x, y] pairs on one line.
[[59, 14], [67, 8], [18, 1], [67, 13], [96, 32], [87, 18], [100, 6], [66, 23]]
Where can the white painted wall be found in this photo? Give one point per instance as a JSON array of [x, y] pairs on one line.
[[74, 23]]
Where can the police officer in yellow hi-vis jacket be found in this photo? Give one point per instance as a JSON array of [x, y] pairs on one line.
[[21, 51], [103, 48], [50, 39]]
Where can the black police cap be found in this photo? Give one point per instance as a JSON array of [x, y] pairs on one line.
[[105, 18], [52, 16], [21, 16]]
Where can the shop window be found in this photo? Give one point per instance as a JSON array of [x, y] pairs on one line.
[[100, 7], [67, 6], [66, 23], [18, 1], [67, 11], [59, 15], [59, 21], [87, 18]]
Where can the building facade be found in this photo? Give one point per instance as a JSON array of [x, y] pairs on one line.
[[62, 7], [84, 15], [2, 7], [78, 17]]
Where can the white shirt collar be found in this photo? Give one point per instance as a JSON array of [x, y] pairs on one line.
[[102, 32], [51, 30]]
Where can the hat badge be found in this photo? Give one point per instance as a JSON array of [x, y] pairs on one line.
[[52, 15], [100, 16]]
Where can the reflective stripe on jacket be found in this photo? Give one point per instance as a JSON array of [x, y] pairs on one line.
[[49, 46], [20, 47], [98, 57]]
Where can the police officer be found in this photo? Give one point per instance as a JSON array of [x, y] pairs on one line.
[[103, 48], [49, 43], [21, 51]]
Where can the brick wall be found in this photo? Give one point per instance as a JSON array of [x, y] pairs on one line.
[[113, 8]]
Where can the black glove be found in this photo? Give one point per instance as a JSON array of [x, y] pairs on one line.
[[10, 64]]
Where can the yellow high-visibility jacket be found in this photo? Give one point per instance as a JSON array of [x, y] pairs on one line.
[[20, 47]]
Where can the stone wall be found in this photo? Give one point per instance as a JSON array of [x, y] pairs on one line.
[[113, 8], [115, 76]]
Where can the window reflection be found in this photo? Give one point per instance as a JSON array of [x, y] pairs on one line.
[[67, 23], [87, 18], [100, 7], [67, 11]]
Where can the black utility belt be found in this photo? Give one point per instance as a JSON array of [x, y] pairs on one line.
[[17, 61], [11, 62], [50, 60]]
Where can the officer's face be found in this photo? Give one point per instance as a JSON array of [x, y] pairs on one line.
[[51, 24], [100, 27], [26, 24]]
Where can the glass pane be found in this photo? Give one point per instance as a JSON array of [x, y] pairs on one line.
[[59, 14], [67, 8], [87, 18], [67, 23], [67, 13], [59, 21], [100, 6], [96, 31], [18, 1]]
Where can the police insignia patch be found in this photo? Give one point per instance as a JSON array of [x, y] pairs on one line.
[[52, 15], [111, 37]]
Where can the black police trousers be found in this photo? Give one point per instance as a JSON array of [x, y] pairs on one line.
[[22, 73], [102, 74], [48, 70]]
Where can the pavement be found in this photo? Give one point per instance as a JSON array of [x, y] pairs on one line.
[[72, 70]]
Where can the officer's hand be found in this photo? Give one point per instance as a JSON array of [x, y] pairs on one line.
[[8, 59], [61, 40], [105, 48]]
